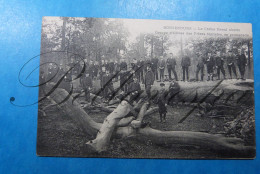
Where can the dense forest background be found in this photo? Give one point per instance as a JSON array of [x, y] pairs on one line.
[[93, 38]]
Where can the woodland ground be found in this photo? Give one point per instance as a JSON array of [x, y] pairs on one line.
[[59, 136]]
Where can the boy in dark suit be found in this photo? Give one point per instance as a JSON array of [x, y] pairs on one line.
[[148, 81], [107, 85], [86, 82], [162, 103]]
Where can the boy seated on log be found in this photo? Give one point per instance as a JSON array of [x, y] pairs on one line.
[[87, 85], [161, 102], [134, 90]]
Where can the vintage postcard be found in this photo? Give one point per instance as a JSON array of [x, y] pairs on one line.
[[130, 88]]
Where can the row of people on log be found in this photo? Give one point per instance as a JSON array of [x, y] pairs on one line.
[[213, 62]]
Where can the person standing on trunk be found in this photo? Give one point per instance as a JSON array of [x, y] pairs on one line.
[[171, 62], [200, 67], [117, 70], [210, 66], [241, 63], [96, 69], [161, 68], [185, 63], [148, 81], [231, 64], [154, 66], [220, 65], [107, 85], [111, 67], [123, 65], [86, 82]]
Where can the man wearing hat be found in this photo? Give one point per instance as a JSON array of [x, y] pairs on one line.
[[171, 63], [148, 80], [111, 67], [161, 68], [86, 82], [185, 63], [200, 67], [154, 67], [241, 63], [210, 65], [116, 69], [107, 85], [123, 65], [96, 69], [231, 64], [140, 71], [220, 65]]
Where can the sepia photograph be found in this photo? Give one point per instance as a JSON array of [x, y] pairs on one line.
[[138, 88]]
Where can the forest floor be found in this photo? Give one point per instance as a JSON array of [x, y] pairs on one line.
[[59, 136]]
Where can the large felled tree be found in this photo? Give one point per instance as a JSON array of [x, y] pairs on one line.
[[126, 121]]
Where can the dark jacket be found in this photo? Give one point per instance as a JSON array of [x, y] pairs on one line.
[[161, 101], [133, 87], [92, 69], [96, 68], [123, 66], [146, 63], [185, 61], [123, 77], [241, 60], [154, 63], [130, 77], [201, 62], [174, 87], [111, 66], [117, 67], [106, 80], [86, 82], [107, 66], [149, 78], [170, 62], [210, 62], [161, 64], [219, 61], [230, 60], [134, 66]]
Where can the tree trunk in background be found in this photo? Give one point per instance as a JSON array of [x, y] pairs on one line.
[[63, 41]]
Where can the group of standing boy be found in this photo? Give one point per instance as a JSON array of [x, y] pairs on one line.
[[218, 61]]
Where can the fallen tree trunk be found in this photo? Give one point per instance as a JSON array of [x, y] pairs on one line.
[[137, 123], [104, 134], [108, 128], [75, 112], [205, 140]]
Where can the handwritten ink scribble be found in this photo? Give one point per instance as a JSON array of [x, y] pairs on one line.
[[62, 78]]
